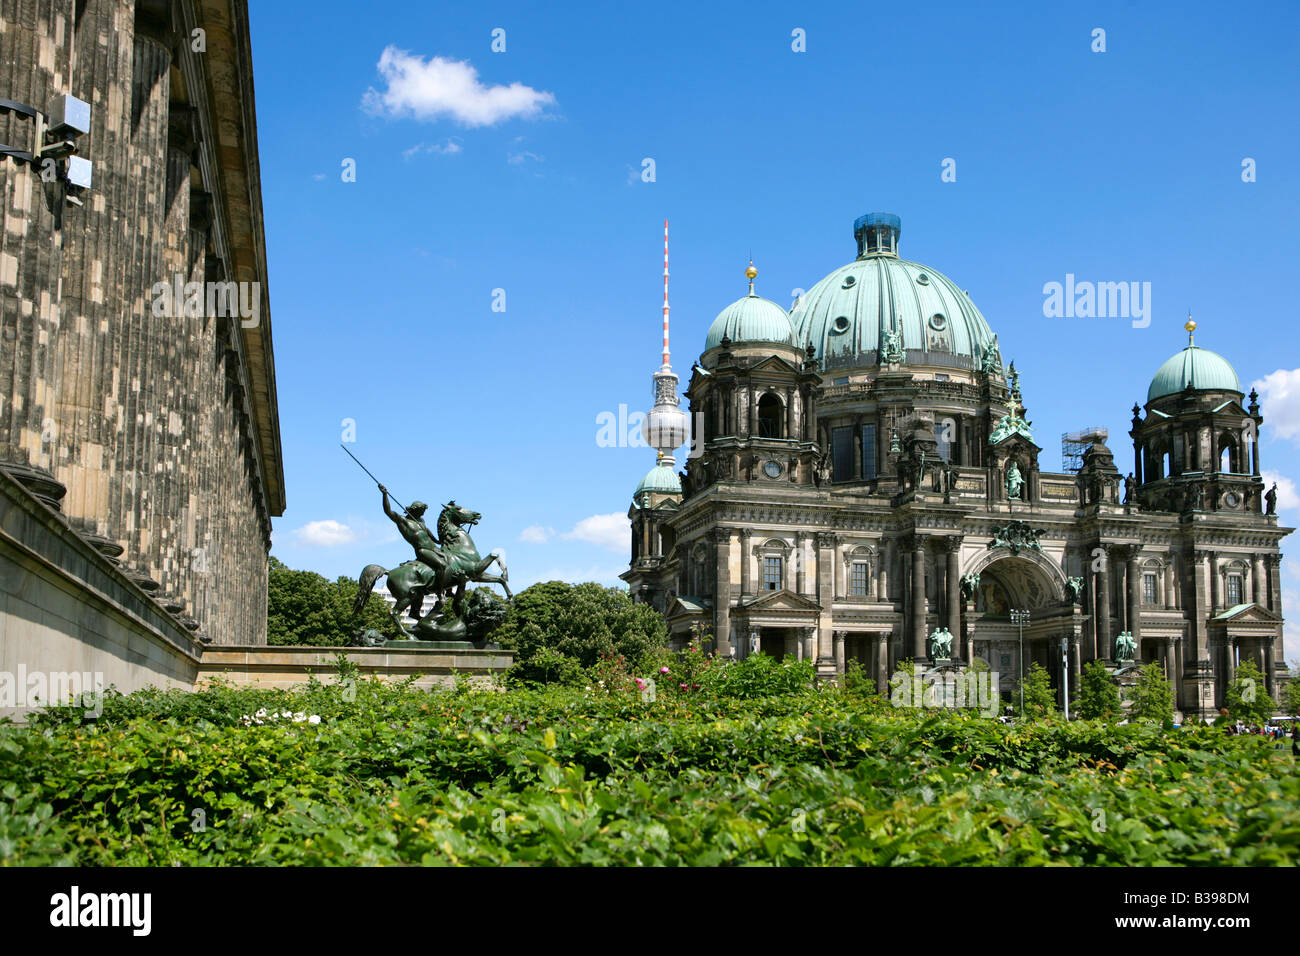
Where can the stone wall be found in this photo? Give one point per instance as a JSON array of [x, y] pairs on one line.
[[66, 609], [162, 428]]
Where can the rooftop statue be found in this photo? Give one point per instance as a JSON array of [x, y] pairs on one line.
[[891, 348]]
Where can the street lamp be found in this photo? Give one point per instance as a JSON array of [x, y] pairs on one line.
[[1020, 619]]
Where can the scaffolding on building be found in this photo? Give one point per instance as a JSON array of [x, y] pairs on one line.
[[1075, 443]]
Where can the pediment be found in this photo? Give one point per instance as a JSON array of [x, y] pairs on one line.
[[774, 363], [782, 600], [686, 606], [1247, 614]]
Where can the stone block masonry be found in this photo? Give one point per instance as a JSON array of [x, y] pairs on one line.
[[154, 432]]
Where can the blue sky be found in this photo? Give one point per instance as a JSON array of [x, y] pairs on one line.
[[521, 170]]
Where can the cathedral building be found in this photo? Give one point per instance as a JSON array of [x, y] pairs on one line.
[[864, 485]]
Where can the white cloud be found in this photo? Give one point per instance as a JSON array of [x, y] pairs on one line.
[[441, 87], [536, 534], [607, 576], [325, 534], [1280, 395], [608, 531], [449, 148], [318, 176], [518, 159], [1287, 497]]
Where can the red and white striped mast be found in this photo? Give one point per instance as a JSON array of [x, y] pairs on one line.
[[665, 365], [667, 427]]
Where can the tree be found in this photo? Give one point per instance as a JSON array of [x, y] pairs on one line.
[[1098, 695], [1040, 699], [1291, 696], [1152, 697], [1246, 696], [303, 608], [581, 622]]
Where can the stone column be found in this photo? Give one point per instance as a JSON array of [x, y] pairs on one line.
[[839, 652], [953, 548], [882, 662], [789, 414], [882, 570], [746, 563], [825, 542], [1275, 583], [1270, 655], [1106, 648], [1257, 579], [1171, 660], [1090, 606], [1230, 645], [1171, 589], [1216, 598], [1133, 581], [918, 603], [1198, 614], [743, 402], [799, 562], [722, 591]]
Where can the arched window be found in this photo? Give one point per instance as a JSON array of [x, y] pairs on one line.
[[1229, 461], [770, 415]]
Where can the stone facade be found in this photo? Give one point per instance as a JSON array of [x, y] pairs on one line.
[[845, 503], [152, 427]]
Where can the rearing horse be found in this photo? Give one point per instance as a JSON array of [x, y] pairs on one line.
[[411, 581]]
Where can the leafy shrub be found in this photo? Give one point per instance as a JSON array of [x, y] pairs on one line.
[[1246, 696], [1098, 695], [1040, 699], [392, 775], [1152, 696], [581, 622]]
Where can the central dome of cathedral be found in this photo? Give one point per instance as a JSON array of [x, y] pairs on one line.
[[846, 316]]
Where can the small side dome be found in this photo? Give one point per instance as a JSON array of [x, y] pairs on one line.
[[1197, 368], [659, 480], [752, 320]]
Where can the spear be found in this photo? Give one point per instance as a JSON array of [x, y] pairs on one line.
[[372, 477]]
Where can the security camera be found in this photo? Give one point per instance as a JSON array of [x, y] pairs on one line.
[[57, 150]]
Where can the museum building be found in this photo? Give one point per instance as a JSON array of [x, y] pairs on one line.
[[865, 482], [140, 456]]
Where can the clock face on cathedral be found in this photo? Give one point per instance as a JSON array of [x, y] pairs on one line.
[[918, 501]]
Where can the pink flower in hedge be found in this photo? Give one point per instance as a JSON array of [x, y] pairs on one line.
[[663, 670], [683, 687]]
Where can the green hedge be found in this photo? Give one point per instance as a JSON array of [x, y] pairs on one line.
[[394, 775]]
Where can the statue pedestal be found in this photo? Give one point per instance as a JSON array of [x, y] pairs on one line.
[[401, 645]]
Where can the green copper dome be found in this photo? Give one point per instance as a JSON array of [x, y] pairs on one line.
[[845, 315], [659, 480], [1194, 367], [750, 320]]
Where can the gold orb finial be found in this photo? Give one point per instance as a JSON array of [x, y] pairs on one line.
[[1190, 325], [751, 272]]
